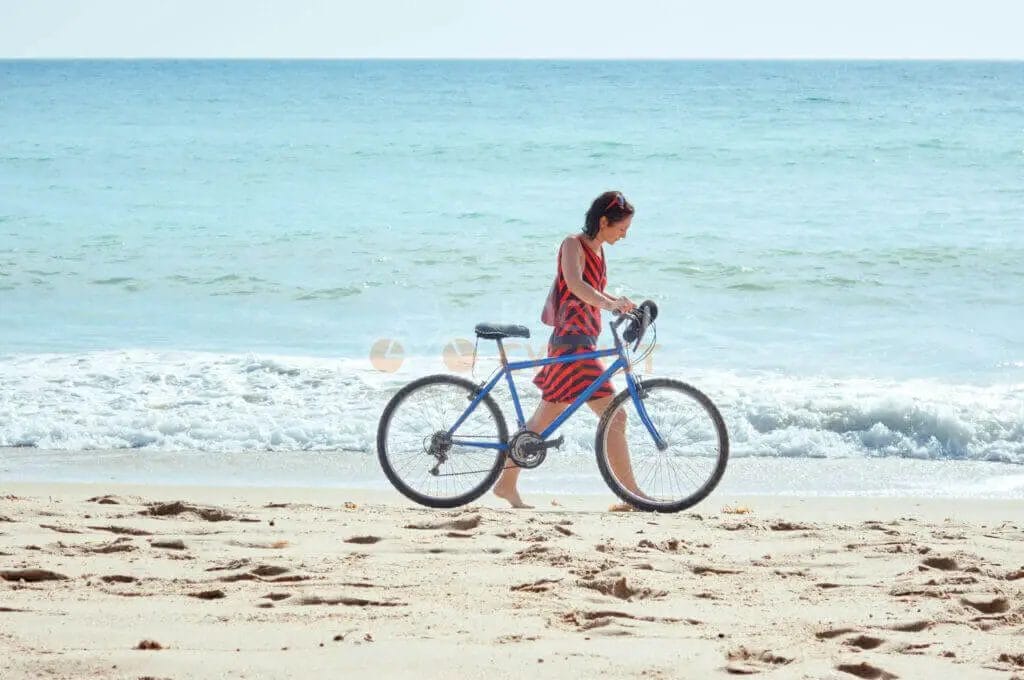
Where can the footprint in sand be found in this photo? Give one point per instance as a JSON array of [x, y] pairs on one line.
[[743, 661], [269, 570], [739, 526], [543, 554], [866, 671], [210, 514], [791, 526], [123, 530], [702, 570], [541, 586], [363, 540], [264, 572], [619, 588], [864, 642], [208, 595], [997, 605], [106, 500], [118, 578], [349, 601], [506, 639], [1012, 659], [458, 524], [31, 575], [914, 648], [122, 544], [59, 529], [582, 620], [912, 627], [671, 545], [272, 545], [235, 578], [232, 565], [941, 563], [874, 525]]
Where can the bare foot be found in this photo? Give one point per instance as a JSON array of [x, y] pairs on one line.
[[512, 496], [621, 507]]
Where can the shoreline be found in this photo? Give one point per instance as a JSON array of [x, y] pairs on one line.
[[296, 582], [836, 508], [767, 476]]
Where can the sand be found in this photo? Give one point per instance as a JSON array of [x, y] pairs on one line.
[[104, 581]]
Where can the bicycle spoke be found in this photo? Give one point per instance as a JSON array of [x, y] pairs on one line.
[[689, 466], [421, 455]]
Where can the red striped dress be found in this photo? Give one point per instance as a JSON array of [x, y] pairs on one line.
[[574, 320]]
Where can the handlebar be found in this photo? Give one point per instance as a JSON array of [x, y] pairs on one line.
[[642, 316]]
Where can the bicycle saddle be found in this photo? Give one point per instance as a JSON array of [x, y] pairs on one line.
[[496, 331]]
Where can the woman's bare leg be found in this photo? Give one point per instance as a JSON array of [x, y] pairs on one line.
[[505, 487], [616, 447]]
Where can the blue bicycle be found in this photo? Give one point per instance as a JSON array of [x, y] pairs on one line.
[[442, 440]]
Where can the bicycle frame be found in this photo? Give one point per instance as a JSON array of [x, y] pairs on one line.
[[621, 362]]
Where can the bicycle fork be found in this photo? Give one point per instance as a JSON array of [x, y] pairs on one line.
[[639, 394]]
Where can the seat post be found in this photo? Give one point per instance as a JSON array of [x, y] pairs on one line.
[[501, 349]]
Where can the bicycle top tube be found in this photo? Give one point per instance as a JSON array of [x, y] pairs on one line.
[[507, 367], [563, 359]]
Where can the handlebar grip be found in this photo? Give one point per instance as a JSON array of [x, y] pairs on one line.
[[643, 316]]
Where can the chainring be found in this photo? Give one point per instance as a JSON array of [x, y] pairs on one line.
[[520, 453]]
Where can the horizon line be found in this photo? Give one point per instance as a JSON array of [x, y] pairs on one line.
[[520, 58]]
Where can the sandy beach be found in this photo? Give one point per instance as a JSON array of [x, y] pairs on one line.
[[105, 581]]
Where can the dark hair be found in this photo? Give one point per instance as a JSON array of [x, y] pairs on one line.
[[610, 204]]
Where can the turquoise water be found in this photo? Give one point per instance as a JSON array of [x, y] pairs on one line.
[[201, 254]]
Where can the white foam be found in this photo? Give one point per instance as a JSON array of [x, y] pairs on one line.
[[222, 402], [824, 418]]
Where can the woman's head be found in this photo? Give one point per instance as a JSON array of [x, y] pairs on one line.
[[609, 216]]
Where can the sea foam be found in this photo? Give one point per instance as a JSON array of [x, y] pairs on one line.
[[232, 402]]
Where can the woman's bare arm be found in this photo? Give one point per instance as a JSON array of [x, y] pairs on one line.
[[573, 261]]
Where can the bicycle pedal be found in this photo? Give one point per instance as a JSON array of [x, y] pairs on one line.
[[550, 444]]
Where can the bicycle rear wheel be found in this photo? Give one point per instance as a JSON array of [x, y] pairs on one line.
[[677, 475], [423, 460]]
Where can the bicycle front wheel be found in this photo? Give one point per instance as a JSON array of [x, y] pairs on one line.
[[428, 461], [679, 471]]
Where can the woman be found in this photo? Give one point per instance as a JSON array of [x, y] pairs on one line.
[[574, 309]]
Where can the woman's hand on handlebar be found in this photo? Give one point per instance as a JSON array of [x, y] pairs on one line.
[[622, 305]]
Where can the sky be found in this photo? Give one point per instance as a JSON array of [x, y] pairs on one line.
[[547, 29]]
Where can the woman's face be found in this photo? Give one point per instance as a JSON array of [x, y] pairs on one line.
[[613, 231]]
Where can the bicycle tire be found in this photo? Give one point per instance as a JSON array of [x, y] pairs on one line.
[[717, 423], [396, 479]]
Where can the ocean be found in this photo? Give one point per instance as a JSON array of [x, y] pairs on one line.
[[198, 258]]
